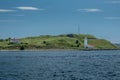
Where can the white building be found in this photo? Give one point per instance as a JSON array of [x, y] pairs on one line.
[[14, 41], [86, 45]]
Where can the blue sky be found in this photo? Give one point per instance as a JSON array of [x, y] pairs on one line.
[[21, 18]]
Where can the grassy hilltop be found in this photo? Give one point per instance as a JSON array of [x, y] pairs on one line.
[[67, 41]]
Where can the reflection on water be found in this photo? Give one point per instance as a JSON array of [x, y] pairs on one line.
[[60, 65]]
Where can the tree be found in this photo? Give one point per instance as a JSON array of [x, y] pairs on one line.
[[77, 42], [8, 39], [22, 47]]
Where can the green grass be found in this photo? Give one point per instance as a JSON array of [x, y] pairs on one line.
[[65, 41]]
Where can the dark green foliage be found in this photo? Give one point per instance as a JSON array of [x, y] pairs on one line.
[[10, 43], [48, 44], [8, 39], [77, 42], [78, 45], [72, 45], [1, 40], [44, 42], [22, 47], [24, 43], [70, 35]]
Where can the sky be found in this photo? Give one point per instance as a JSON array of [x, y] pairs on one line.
[[23, 18]]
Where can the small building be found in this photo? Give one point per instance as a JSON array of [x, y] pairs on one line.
[[16, 41]]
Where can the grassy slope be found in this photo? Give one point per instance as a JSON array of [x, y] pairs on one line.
[[70, 41]]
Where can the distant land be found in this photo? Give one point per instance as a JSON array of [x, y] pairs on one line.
[[63, 41], [117, 45]]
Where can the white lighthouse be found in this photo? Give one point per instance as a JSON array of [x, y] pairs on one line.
[[86, 45], [85, 42]]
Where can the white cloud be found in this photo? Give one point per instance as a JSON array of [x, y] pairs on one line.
[[112, 18], [28, 8], [6, 10], [89, 10]]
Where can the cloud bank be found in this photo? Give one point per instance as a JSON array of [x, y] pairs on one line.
[[6, 10], [21, 8], [89, 10], [28, 8]]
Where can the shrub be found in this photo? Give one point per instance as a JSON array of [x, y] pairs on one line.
[[8, 39], [78, 45], [44, 42], [1, 40], [77, 42], [70, 35], [22, 47]]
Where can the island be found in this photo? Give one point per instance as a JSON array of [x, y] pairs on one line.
[[63, 41]]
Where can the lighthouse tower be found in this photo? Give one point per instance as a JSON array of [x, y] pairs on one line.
[[85, 42]]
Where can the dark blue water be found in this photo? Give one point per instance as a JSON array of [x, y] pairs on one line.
[[60, 65]]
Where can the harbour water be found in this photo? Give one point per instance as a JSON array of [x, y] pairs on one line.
[[60, 65]]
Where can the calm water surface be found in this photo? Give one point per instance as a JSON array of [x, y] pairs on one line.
[[60, 65]]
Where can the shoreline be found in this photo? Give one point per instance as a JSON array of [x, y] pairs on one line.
[[62, 50], [97, 49]]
